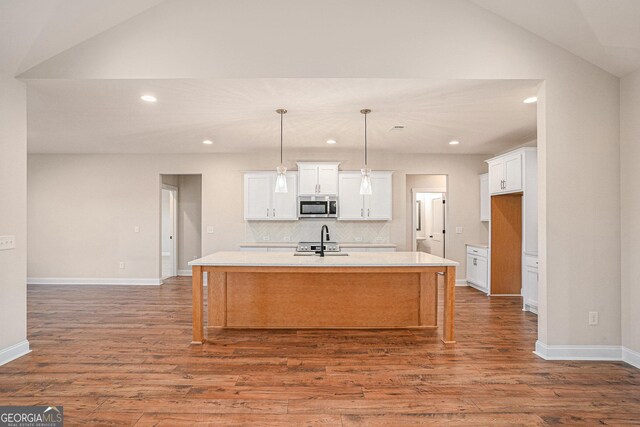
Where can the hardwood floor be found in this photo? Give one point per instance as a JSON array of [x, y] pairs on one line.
[[119, 355]]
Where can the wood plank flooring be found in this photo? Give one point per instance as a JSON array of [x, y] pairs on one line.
[[120, 355]]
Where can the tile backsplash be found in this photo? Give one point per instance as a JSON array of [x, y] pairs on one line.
[[309, 230]]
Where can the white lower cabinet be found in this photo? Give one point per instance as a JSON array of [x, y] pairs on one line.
[[530, 277], [478, 267]]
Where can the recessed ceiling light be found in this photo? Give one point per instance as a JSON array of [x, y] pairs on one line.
[[331, 141], [148, 98], [531, 100], [454, 142], [207, 142]]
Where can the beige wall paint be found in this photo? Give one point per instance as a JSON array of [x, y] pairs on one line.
[[189, 219], [89, 224], [13, 209], [579, 234], [630, 208]]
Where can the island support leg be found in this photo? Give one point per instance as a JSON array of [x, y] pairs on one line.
[[197, 305], [449, 305]]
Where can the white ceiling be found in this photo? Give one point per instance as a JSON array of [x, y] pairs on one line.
[[107, 116], [604, 32]]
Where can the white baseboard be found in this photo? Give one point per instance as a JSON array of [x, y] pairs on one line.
[[11, 353], [184, 272], [587, 352], [461, 282], [90, 281], [631, 357]]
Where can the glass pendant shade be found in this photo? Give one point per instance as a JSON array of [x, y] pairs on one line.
[[281, 179], [365, 183]]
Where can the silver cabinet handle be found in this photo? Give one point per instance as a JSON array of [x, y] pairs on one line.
[[475, 261], [362, 212], [369, 212], [274, 212], [267, 211], [319, 188]]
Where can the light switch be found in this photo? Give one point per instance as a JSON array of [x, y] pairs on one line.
[[7, 242], [136, 229], [209, 229], [458, 230], [121, 265]]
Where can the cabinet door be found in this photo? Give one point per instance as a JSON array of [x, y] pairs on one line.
[[350, 202], [531, 282], [482, 272], [285, 204], [257, 196], [485, 198], [471, 270], [328, 179], [496, 177], [378, 205], [513, 173], [307, 180]]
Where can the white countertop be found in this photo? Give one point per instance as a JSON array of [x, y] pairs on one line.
[[368, 259], [293, 245]]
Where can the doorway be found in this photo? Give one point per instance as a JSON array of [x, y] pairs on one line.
[[169, 250], [428, 214], [430, 224]]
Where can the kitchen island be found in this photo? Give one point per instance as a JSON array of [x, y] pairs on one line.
[[355, 290]]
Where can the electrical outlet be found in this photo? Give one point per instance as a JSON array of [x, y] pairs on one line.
[[379, 239], [459, 230], [286, 239], [266, 238], [359, 239], [209, 229], [7, 242], [136, 229], [593, 318], [121, 265]]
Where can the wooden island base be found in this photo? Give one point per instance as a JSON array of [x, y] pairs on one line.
[[321, 297]]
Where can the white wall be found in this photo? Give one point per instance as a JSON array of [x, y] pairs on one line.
[[630, 209], [579, 234], [13, 211], [89, 224]]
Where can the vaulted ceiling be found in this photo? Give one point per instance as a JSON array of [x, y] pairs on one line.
[[603, 32]]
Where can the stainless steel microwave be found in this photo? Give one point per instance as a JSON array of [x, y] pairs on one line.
[[317, 207]]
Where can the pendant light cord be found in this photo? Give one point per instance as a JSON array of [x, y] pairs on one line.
[[365, 141], [281, 121]]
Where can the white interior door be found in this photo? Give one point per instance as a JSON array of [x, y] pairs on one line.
[[437, 227], [169, 251]]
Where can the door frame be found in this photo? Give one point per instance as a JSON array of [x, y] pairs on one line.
[[414, 191], [173, 191]]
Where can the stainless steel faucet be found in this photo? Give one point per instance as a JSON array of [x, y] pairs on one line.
[[322, 236]]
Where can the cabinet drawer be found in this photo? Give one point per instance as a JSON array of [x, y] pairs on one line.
[[474, 250], [531, 261]]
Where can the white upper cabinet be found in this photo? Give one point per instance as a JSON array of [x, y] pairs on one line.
[[318, 179], [261, 202], [513, 173], [284, 205], [375, 207], [378, 205], [257, 195], [485, 198], [506, 171], [350, 202]]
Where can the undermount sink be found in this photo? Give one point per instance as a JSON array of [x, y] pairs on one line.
[[325, 254]]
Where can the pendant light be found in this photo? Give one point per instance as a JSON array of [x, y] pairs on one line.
[[281, 178], [365, 183]]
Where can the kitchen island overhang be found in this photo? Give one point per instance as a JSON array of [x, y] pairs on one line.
[[249, 290]]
